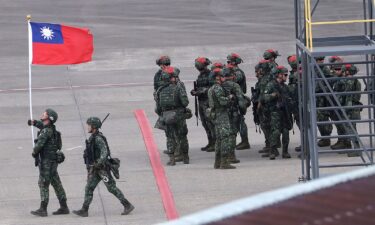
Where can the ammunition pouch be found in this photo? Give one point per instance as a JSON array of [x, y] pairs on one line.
[[114, 165], [170, 117], [188, 113], [60, 157]]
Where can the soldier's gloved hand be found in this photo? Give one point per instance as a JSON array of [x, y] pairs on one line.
[[34, 155], [97, 166], [193, 92], [31, 122]]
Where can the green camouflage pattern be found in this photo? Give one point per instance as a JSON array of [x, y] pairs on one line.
[[46, 145], [99, 171]]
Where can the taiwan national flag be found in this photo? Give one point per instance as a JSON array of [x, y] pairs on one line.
[[55, 44]]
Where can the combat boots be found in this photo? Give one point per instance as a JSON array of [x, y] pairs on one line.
[[205, 147], [243, 145], [172, 161], [42, 211], [178, 158], [324, 142], [285, 154], [224, 164], [232, 158], [185, 158], [63, 208], [272, 154], [128, 207], [298, 148], [355, 153], [264, 150], [340, 144], [83, 212]]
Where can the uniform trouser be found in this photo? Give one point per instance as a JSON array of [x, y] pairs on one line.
[[323, 115], [340, 127], [265, 125], [243, 128], [353, 115], [206, 122], [48, 175], [276, 128], [225, 137], [177, 137], [93, 179], [285, 138], [296, 118]]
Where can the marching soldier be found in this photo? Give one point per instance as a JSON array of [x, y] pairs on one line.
[[200, 91], [47, 155], [96, 158]]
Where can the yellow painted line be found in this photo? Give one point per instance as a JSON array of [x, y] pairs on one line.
[[342, 22]]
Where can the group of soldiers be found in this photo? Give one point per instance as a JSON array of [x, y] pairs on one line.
[[221, 104], [335, 74], [99, 163]]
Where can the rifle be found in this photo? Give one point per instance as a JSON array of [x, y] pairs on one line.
[[37, 158], [254, 100], [196, 112]]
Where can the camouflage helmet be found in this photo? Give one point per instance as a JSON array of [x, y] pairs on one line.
[[352, 69], [281, 70], [319, 58], [218, 72], [163, 60], [292, 61], [264, 65], [202, 62], [270, 53], [52, 115], [217, 65], [228, 71], [94, 122], [169, 72], [235, 58], [334, 59]]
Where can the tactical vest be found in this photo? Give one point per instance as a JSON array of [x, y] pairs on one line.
[[52, 145], [92, 153], [168, 98], [203, 81]]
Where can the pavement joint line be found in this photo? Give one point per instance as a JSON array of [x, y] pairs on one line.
[[84, 134], [157, 167]]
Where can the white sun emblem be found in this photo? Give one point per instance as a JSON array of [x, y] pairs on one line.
[[47, 33]]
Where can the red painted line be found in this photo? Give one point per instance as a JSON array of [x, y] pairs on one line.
[[157, 167]]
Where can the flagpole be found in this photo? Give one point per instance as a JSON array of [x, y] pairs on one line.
[[28, 18]]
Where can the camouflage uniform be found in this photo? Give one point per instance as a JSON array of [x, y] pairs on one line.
[[352, 100], [263, 112], [232, 88], [97, 155], [275, 103], [98, 171], [46, 146], [322, 101], [203, 84], [240, 78], [218, 111], [172, 101]]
